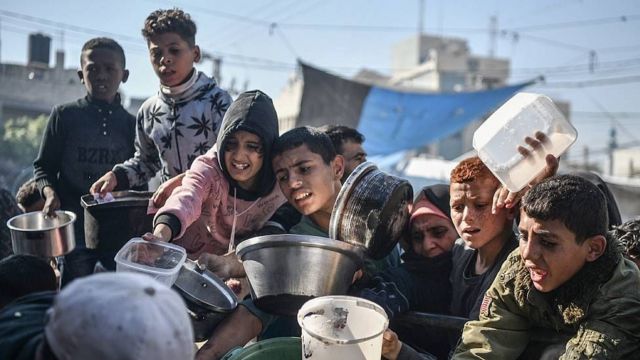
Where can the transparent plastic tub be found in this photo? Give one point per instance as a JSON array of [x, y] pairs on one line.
[[157, 259], [498, 138]]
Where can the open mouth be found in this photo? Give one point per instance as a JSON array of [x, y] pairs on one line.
[[537, 275], [302, 196], [471, 231], [239, 166]]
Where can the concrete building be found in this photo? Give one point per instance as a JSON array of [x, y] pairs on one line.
[[626, 162], [33, 89]]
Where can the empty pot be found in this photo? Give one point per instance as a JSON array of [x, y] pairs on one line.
[[36, 234]]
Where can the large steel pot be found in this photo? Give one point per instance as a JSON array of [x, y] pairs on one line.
[[208, 299], [287, 270], [36, 234], [371, 210], [109, 225]]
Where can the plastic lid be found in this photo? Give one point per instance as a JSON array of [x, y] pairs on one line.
[[156, 257]]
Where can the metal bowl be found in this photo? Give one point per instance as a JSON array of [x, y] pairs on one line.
[[36, 234], [371, 210], [287, 270], [208, 299]]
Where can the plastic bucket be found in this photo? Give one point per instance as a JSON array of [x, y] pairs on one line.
[[287, 348], [342, 327]]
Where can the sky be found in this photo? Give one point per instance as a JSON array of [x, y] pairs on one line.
[[587, 50]]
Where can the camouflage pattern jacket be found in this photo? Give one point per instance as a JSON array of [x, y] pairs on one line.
[[599, 308]]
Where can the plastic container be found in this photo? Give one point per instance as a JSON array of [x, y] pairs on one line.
[[497, 140], [157, 259], [285, 348], [342, 327]]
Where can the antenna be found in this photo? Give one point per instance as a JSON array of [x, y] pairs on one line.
[[420, 17], [493, 35]]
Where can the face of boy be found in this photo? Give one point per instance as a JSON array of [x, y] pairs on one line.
[[102, 73], [172, 58], [306, 181], [550, 251], [471, 212], [432, 235], [354, 155], [243, 157]]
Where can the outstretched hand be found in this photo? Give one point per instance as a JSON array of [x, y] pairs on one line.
[[51, 201], [391, 345], [224, 266], [105, 184], [503, 198], [165, 189]]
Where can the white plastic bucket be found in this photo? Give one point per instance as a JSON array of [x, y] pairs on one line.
[[342, 327]]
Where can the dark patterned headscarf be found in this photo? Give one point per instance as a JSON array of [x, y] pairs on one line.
[[8, 209]]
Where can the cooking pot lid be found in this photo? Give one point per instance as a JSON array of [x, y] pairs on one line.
[[371, 210], [120, 199], [204, 288]]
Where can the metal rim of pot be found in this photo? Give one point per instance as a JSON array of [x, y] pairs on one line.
[[355, 253], [11, 226]]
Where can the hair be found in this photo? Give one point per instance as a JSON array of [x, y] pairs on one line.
[[572, 200], [170, 21], [471, 169], [628, 237], [28, 193], [316, 140], [103, 43], [22, 275], [339, 134]]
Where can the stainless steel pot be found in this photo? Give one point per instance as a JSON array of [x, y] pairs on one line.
[[287, 270], [36, 234], [108, 226], [208, 299], [371, 210]]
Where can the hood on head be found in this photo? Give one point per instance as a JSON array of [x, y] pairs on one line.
[[252, 111]]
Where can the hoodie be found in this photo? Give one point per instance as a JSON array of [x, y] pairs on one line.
[[174, 127], [209, 208]]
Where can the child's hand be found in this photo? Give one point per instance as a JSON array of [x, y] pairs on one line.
[[503, 198], [51, 202], [390, 345], [165, 189], [105, 184], [225, 266]]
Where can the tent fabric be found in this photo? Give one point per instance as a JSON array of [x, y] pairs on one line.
[[392, 120]]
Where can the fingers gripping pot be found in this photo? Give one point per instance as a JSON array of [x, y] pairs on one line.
[[371, 210]]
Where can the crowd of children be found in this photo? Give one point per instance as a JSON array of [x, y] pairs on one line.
[[553, 257]]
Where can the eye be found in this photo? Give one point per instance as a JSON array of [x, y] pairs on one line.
[[481, 205], [174, 51], [416, 236], [547, 244], [439, 232], [283, 178], [230, 145], [257, 148], [305, 169], [522, 237], [457, 208]]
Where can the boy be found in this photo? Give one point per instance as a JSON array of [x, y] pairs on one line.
[[182, 120], [308, 170], [84, 139], [348, 143], [565, 278]]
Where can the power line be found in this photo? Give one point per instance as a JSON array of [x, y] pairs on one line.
[[578, 23], [592, 83]]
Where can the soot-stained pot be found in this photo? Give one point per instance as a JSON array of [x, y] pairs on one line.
[[208, 299], [109, 225], [371, 210]]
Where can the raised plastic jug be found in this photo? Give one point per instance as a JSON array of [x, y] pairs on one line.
[[498, 138]]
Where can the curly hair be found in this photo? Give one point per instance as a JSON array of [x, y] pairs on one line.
[[103, 43], [170, 21], [471, 169]]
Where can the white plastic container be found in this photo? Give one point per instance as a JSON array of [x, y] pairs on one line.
[[342, 327], [498, 138], [158, 259]]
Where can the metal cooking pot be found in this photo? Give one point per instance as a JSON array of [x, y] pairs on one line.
[[208, 299], [371, 210], [36, 234], [108, 226], [286, 270]]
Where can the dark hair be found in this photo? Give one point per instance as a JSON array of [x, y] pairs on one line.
[[22, 275], [471, 169], [103, 43], [170, 21], [339, 134], [628, 237], [316, 140], [576, 202], [28, 193]]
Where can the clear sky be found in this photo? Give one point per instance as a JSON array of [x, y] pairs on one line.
[[259, 42]]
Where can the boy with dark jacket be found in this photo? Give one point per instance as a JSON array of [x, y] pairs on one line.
[[83, 139], [566, 277]]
